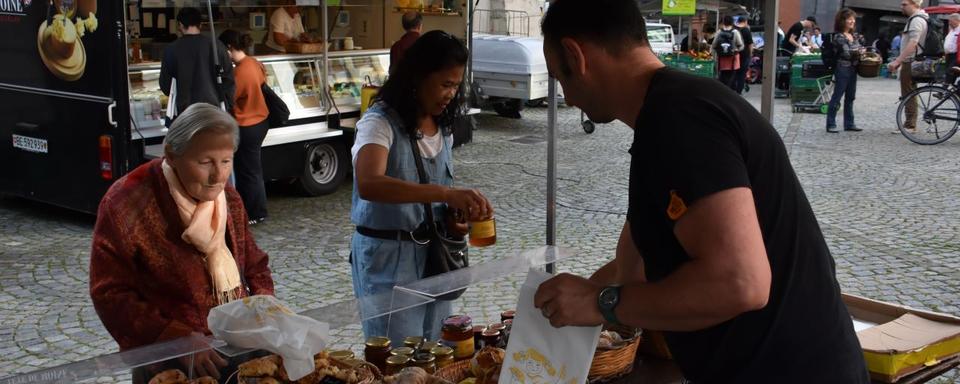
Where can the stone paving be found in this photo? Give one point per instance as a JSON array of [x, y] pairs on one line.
[[888, 209]]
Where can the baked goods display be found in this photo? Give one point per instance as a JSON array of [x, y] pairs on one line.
[[172, 376], [270, 369]]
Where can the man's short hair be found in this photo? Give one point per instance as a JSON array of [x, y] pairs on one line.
[[411, 20], [189, 17], [954, 16], [814, 19], [612, 24]]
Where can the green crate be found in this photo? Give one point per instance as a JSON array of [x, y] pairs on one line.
[[804, 83], [800, 59]]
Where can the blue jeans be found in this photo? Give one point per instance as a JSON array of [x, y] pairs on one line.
[[378, 265], [845, 85]]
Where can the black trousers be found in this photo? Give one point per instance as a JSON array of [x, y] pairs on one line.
[[740, 81], [249, 170], [728, 78]]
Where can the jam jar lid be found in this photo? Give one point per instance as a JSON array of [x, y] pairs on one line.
[[412, 341], [491, 332], [442, 351], [497, 326], [378, 342], [341, 355], [398, 360], [458, 322], [424, 357], [402, 351], [509, 314]]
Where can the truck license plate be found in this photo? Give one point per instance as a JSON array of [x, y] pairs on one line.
[[30, 144]]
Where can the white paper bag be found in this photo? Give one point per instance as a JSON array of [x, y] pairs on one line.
[[263, 322], [538, 352]]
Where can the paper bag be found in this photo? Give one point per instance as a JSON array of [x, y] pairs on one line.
[[538, 352], [263, 322]]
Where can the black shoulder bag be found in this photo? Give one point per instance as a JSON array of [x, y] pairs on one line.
[[444, 254]]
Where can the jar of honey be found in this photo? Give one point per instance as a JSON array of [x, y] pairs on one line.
[[376, 351], [425, 360], [457, 333], [483, 233], [395, 364], [444, 356]]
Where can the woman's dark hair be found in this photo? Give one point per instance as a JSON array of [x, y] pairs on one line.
[[433, 52], [236, 40], [840, 22]]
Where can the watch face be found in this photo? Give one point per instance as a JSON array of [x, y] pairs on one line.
[[608, 297]]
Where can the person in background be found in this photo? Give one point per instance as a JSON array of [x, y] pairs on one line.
[[950, 45], [845, 73], [746, 55], [413, 25], [709, 32], [286, 24], [685, 43], [172, 241], [250, 109], [796, 32], [913, 33], [420, 101], [190, 62], [720, 248], [814, 39], [882, 45], [895, 47], [728, 40]]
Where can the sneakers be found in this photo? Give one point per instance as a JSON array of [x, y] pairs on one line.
[[833, 129], [256, 221], [853, 129]]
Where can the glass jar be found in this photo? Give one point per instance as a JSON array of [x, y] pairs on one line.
[[478, 336], [428, 346], [507, 315], [412, 341], [497, 327], [444, 356], [395, 364], [376, 352], [457, 333], [483, 233], [402, 351], [342, 355], [491, 338], [425, 360], [506, 332]]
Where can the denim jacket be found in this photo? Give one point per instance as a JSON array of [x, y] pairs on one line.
[[401, 165]]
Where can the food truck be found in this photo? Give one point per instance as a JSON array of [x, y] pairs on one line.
[[81, 105]]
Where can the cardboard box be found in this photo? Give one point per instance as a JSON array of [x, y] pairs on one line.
[[899, 341]]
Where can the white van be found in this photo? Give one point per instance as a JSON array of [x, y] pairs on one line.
[[660, 37]]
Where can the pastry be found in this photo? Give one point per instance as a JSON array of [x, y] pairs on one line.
[[60, 37], [262, 367], [204, 380], [172, 376]]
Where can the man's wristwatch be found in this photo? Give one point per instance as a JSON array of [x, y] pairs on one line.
[[607, 301]]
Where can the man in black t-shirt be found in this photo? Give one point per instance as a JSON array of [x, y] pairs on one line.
[[720, 249], [792, 40], [746, 55]]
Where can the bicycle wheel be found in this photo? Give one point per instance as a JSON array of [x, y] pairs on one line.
[[937, 115]]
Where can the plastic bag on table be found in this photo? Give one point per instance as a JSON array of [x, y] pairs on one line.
[[264, 322], [538, 352]]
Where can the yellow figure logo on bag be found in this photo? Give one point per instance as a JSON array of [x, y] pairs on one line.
[[532, 367]]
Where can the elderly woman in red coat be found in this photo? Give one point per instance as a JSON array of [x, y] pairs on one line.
[[172, 240]]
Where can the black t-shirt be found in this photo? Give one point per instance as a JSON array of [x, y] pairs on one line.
[[695, 137], [795, 30], [747, 43]]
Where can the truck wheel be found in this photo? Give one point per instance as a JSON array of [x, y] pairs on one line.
[[509, 108], [324, 168], [588, 126]]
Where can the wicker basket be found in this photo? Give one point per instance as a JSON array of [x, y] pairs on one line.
[[610, 364], [455, 372], [870, 65]]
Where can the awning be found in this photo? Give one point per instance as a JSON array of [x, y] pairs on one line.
[[943, 9], [883, 5]]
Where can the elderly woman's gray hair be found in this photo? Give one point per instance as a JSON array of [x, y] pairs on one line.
[[198, 118], [954, 16]]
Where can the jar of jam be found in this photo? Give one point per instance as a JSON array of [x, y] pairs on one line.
[[457, 333], [342, 355], [506, 332], [425, 360], [428, 346], [412, 341], [402, 351], [491, 338], [396, 363], [497, 327], [478, 337], [376, 352], [444, 356], [507, 315]]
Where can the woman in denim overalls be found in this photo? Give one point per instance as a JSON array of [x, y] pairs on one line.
[[421, 99]]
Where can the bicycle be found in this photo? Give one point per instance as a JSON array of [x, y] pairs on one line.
[[937, 113]]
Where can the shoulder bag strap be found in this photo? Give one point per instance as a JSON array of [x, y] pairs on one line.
[[418, 160]]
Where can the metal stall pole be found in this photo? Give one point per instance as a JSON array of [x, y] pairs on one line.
[[216, 61], [771, 8], [552, 167]]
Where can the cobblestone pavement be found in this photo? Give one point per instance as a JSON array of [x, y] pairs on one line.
[[888, 209]]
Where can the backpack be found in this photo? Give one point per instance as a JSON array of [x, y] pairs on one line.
[[932, 44], [725, 43], [829, 51]]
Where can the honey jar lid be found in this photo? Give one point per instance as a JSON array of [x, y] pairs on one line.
[[398, 360], [378, 341], [402, 351], [341, 355], [442, 351]]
